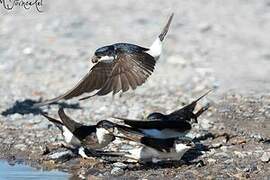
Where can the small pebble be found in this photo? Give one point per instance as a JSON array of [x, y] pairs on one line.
[[222, 154], [116, 171], [21, 147], [205, 124], [120, 165], [27, 50], [211, 161], [216, 145], [239, 154], [265, 157], [58, 155]]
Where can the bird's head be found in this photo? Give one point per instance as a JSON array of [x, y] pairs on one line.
[[104, 53], [107, 125], [183, 145], [156, 116]]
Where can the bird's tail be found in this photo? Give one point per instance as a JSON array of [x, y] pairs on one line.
[[186, 112], [202, 110], [166, 28], [202, 96], [56, 122], [156, 47], [193, 104], [67, 121]]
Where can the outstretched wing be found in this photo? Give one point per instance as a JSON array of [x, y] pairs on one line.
[[129, 70], [93, 80]]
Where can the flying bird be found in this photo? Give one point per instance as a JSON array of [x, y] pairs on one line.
[[175, 124], [82, 136], [118, 67]]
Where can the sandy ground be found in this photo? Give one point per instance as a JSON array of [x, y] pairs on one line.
[[211, 44]]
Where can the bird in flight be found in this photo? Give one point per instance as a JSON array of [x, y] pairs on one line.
[[119, 66]]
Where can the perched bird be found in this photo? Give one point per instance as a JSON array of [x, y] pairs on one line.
[[81, 136], [155, 150], [175, 124], [151, 149], [117, 67]]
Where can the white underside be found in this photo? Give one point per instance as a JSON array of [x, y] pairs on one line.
[[104, 137], [148, 154], [70, 138], [82, 153], [163, 134], [155, 49]]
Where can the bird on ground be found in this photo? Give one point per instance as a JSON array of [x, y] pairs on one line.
[[150, 149], [82, 136], [175, 124], [118, 67]]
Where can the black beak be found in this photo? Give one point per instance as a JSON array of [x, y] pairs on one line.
[[109, 126], [95, 59]]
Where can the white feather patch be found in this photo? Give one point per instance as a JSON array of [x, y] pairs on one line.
[[106, 58], [148, 154], [155, 49], [104, 137], [69, 137], [82, 153]]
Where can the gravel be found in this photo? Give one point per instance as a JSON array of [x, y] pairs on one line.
[[117, 171]]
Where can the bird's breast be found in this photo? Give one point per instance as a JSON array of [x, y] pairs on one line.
[[104, 137]]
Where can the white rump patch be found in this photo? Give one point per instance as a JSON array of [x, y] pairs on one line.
[[156, 49], [82, 153], [69, 137]]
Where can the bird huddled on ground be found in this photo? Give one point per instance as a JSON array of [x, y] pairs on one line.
[[160, 139]]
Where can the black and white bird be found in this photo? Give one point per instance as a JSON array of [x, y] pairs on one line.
[[118, 67], [175, 124], [151, 149], [82, 136], [156, 150]]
